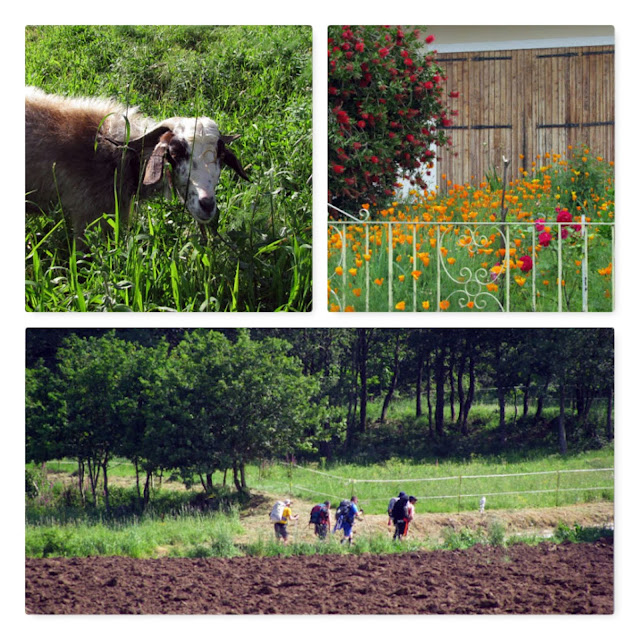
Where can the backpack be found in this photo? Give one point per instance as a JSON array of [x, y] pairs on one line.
[[316, 515], [276, 512], [392, 502], [343, 512], [399, 511]]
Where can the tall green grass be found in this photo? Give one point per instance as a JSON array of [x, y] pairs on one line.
[[253, 80], [191, 536]]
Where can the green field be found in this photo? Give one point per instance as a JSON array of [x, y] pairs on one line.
[[255, 81], [175, 526]]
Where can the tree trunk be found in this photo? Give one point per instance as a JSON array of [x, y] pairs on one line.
[[362, 369], [146, 492], [610, 415], [419, 385], [470, 393], [452, 389], [461, 397], [440, 375], [236, 479], [525, 397], [562, 436], [81, 481], [105, 463], [429, 406], [394, 380], [503, 422]]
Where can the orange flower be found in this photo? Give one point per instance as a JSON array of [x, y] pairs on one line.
[[444, 305], [400, 306], [339, 270], [416, 274], [349, 308], [425, 305], [357, 292], [379, 281]]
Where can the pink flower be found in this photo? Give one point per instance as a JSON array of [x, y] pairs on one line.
[[539, 224]]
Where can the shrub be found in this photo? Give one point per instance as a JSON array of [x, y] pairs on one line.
[[385, 111]]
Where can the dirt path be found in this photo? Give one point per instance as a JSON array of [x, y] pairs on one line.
[[540, 522], [545, 579]]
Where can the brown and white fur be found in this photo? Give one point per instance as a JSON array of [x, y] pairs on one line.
[[80, 151]]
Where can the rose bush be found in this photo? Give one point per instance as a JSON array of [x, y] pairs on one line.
[[386, 111]]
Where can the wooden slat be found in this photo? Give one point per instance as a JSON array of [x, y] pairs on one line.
[[527, 102]]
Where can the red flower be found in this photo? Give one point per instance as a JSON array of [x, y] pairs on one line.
[[545, 238], [338, 168], [384, 52], [429, 39], [342, 117], [563, 216], [527, 264], [454, 94], [375, 159], [359, 46]]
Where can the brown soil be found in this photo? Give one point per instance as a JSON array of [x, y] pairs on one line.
[[567, 578]]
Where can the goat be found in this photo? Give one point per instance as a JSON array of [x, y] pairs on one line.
[[80, 152]]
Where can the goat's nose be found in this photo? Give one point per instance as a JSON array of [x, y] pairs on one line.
[[207, 204]]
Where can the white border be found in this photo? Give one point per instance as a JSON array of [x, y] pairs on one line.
[[623, 319]]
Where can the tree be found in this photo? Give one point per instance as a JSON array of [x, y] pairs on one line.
[[385, 111]]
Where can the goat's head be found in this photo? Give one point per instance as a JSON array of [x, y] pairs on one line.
[[196, 151]]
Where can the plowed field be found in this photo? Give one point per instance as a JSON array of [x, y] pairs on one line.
[[545, 579]]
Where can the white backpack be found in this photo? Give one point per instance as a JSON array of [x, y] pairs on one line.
[[276, 512]]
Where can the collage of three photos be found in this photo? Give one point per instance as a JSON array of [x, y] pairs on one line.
[[461, 172]]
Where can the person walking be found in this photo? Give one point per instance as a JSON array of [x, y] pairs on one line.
[[399, 515], [280, 527], [348, 518], [321, 519]]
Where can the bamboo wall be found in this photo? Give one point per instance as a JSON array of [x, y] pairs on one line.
[[526, 103]]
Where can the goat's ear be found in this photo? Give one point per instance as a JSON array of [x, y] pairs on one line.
[[229, 158], [155, 164]]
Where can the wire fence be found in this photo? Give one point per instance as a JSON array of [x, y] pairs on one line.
[[470, 266], [459, 492]]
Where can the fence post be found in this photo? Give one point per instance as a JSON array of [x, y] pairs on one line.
[[559, 267], [459, 491], [557, 487], [585, 265]]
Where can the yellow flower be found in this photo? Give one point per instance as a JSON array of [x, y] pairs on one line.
[[353, 271], [339, 271], [401, 277], [400, 306], [425, 305], [520, 280]]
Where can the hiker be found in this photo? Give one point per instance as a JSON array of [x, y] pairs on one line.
[[346, 514], [281, 518], [411, 512], [399, 515], [393, 500], [321, 519]]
